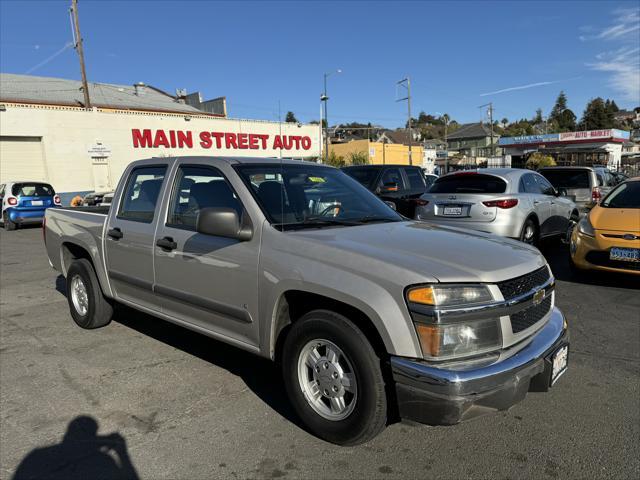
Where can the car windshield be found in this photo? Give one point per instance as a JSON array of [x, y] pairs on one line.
[[468, 182], [570, 178], [311, 196], [625, 195], [366, 176], [32, 190]]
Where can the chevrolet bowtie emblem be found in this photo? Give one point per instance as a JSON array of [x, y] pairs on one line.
[[538, 297]]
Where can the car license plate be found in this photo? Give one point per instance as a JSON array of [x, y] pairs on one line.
[[36, 203], [452, 211], [625, 254], [559, 363]]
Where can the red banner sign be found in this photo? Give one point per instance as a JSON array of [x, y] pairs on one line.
[[148, 138]]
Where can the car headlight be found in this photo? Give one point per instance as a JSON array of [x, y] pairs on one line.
[[461, 339], [442, 340], [449, 295], [585, 227]]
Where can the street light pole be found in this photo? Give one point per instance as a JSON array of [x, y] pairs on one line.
[[406, 82], [324, 98]]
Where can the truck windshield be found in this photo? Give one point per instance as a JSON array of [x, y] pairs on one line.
[[311, 196]]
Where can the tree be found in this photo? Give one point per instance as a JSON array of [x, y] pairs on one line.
[[358, 158], [562, 118], [538, 160], [290, 118], [538, 117], [596, 116]]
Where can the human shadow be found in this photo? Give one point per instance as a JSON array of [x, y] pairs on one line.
[[82, 454], [261, 376]]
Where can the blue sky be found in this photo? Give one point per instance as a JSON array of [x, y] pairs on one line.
[[459, 55]]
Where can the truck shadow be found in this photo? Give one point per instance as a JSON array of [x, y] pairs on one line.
[[261, 376], [557, 254]]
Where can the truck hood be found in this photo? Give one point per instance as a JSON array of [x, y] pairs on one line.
[[429, 252]]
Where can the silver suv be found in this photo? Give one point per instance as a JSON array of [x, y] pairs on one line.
[[504, 201], [584, 185]]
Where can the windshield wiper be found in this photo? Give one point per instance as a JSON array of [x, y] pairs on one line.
[[316, 223], [372, 219]]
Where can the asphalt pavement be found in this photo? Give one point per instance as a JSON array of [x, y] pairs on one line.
[[142, 397]]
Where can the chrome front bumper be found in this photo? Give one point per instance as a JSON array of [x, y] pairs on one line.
[[445, 396]]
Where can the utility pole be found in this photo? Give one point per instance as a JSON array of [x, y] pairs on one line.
[[406, 82], [324, 98], [78, 47], [490, 105]]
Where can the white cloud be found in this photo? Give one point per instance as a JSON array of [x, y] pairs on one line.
[[623, 64], [520, 87]]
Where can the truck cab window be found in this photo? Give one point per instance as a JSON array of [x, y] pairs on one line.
[[141, 194], [196, 188]]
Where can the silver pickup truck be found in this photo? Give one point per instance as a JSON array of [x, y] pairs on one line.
[[372, 317]]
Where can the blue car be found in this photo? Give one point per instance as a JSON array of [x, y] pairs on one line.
[[25, 202]]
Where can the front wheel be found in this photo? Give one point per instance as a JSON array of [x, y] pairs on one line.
[[334, 379]]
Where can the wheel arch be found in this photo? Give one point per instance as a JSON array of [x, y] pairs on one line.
[[72, 250]]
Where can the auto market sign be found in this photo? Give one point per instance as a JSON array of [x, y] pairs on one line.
[[594, 134], [188, 139], [568, 137]]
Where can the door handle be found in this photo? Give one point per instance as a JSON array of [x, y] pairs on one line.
[[115, 233], [167, 243], [536, 202]]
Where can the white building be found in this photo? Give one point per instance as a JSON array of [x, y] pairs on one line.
[[46, 133]]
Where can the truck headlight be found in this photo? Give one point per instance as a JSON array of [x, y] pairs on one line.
[[462, 339], [450, 295], [585, 227], [442, 339]]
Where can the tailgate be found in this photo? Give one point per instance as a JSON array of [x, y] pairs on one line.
[[461, 206]]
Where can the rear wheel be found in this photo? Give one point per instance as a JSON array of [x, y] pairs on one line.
[[89, 308], [529, 233], [8, 224], [333, 379]]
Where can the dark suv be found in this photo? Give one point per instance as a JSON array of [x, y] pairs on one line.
[[401, 185]]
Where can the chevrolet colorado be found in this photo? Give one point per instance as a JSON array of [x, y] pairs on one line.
[[371, 316]]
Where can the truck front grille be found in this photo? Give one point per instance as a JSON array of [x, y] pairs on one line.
[[524, 319], [519, 285]]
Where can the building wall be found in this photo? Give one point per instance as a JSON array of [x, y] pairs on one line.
[[380, 153], [83, 150]]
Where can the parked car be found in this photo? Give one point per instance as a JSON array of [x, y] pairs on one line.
[[400, 185], [608, 237], [93, 199], [584, 185], [429, 178], [508, 202], [107, 198], [299, 263], [25, 202]]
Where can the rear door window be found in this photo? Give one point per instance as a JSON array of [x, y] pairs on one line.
[[569, 178], [141, 194], [365, 176], [32, 190], [545, 187], [392, 175], [469, 183], [415, 178]]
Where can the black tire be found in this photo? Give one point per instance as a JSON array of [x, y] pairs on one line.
[[98, 309], [8, 224], [534, 237], [369, 415]]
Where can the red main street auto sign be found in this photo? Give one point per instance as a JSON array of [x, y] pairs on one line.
[[149, 138]]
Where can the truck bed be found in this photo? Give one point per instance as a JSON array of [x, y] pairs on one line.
[[98, 210]]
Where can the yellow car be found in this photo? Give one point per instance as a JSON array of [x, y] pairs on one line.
[[608, 237]]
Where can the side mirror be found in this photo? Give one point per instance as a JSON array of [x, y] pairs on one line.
[[561, 192], [389, 187], [223, 222]]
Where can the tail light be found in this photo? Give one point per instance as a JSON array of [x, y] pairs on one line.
[[420, 202], [508, 203], [13, 201], [56, 199], [596, 195]]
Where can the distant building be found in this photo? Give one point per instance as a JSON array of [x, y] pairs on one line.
[[434, 149], [592, 147], [628, 116], [473, 140], [47, 134]]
